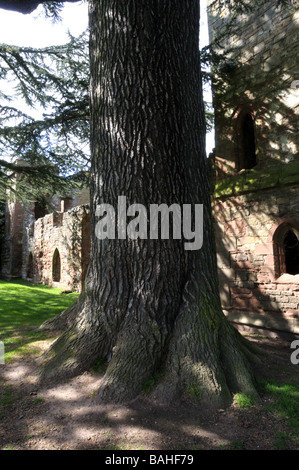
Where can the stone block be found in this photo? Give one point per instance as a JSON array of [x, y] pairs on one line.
[[264, 248]]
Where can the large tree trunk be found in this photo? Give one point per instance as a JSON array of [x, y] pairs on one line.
[[150, 305]]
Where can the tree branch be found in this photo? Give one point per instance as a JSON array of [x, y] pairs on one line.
[[27, 6]]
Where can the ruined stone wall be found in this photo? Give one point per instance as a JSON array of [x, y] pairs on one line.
[[253, 290], [28, 240], [62, 232], [258, 75], [12, 248], [32, 238], [256, 207]]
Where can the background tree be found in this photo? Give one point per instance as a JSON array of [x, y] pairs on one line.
[[55, 79], [2, 226], [44, 115]]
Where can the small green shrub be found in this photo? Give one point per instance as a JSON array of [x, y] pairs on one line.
[[242, 400]]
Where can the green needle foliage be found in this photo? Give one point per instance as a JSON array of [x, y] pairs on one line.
[[44, 118], [44, 106]]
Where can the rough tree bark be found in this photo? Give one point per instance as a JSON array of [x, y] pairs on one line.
[[150, 305]]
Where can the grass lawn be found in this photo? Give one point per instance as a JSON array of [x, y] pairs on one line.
[[24, 307]]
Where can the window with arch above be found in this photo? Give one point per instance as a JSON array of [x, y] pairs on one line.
[[286, 250], [246, 143], [56, 266], [291, 252]]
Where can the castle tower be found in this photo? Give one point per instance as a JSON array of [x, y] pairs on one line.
[[12, 249], [12, 243], [256, 204]]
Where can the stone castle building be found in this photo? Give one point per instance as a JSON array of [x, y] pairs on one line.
[[48, 246], [256, 188], [256, 164]]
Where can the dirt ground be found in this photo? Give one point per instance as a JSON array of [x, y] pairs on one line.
[[65, 416]]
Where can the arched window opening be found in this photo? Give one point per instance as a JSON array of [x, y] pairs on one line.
[[291, 252], [30, 266], [246, 148], [56, 267], [286, 250]]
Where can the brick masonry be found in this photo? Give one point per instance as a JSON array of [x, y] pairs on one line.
[[253, 291], [256, 206], [31, 241], [63, 232], [258, 75], [252, 206]]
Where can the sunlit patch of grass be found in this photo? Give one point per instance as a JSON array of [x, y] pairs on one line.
[[36, 401], [242, 400], [286, 399], [286, 405], [113, 446], [23, 308], [195, 391]]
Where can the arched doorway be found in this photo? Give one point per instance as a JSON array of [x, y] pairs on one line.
[[56, 266]]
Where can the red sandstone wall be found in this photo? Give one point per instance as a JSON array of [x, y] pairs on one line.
[[61, 231], [252, 290]]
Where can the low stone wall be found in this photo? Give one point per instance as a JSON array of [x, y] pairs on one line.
[[65, 233]]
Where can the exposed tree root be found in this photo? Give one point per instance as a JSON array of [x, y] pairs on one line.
[[204, 357], [77, 348]]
